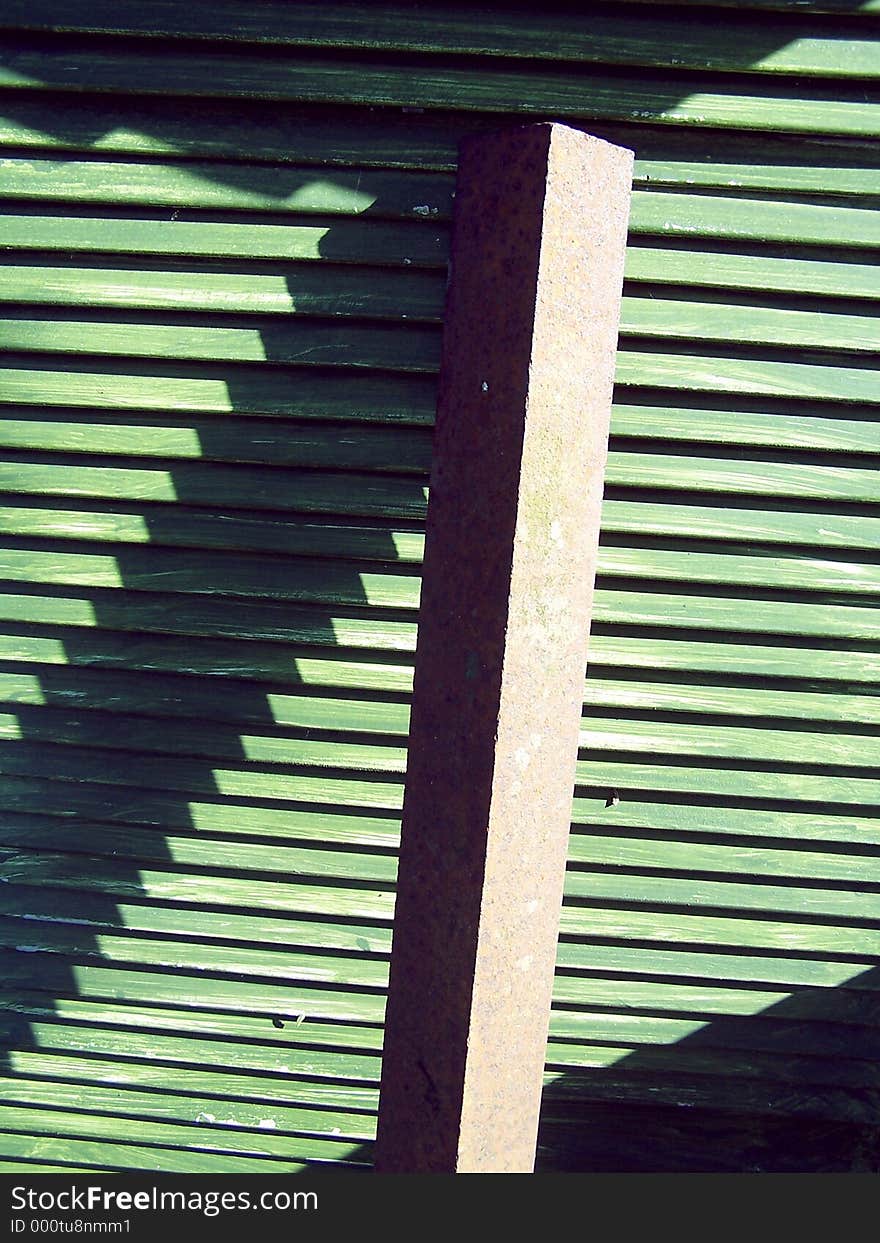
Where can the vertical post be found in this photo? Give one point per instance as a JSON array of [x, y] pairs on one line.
[[513, 521]]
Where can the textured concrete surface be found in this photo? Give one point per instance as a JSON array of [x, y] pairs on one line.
[[522, 425]]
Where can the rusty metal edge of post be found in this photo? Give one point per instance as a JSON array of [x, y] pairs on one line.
[[530, 334]]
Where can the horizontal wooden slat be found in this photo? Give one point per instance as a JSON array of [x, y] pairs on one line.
[[260, 619], [403, 195], [408, 245], [96, 644], [165, 1148], [120, 880], [345, 137], [696, 99], [412, 296], [631, 37], [601, 732], [183, 527]]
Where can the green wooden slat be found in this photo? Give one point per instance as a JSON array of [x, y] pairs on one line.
[[28, 906], [100, 648], [262, 390], [175, 1150], [270, 999], [683, 215], [696, 563], [713, 818], [747, 699], [714, 612], [244, 1029], [701, 320], [696, 894], [801, 1070], [837, 1042], [392, 195], [146, 1104], [272, 1057], [345, 137], [700, 373], [599, 733], [192, 956], [810, 48], [655, 927], [693, 1092], [246, 488], [704, 655], [723, 270], [36, 64], [170, 614], [739, 782], [266, 341], [410, 245], [115, 880], [243, 440], [278, 665], [263, 533], [736, 475], [248, 702], [162, 525], [334, 582], [733, 968], [400, 450], [247, 576], [803, 430], [260, 619], [650, 854], [412, 296], [31, 906], [69, 763], [353, 241], [402, 195], [762, 745], [853, 1006], [299, 289]]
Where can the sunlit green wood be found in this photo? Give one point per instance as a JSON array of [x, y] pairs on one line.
[[55, 1135], [800, 108], [416, 296], [256, 389], [116, 880], [626, 38], [412, 246], [344, 137], [163, 525]]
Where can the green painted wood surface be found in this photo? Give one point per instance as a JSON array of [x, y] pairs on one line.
[[630, 38], [343, 137], [411, 296], [808, 107], [222, 267]]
